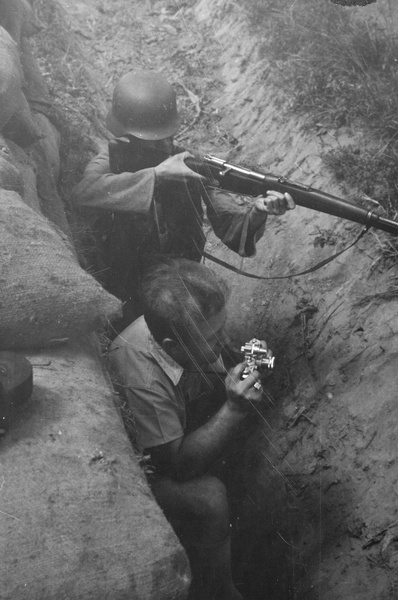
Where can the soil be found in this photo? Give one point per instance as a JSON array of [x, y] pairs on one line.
[[315, 503]]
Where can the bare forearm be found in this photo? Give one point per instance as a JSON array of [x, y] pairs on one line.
[[193, 454], [201, 448]]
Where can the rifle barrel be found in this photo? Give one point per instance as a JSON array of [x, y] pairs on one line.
[[240, 180]]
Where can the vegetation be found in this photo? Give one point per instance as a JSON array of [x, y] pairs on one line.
[[340, 68], [73, 105]]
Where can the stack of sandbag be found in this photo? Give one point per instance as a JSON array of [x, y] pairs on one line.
[[16, 120], [45, 296], [77, 518]]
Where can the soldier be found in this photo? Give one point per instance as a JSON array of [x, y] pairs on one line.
[[169, 364], [145, 203]]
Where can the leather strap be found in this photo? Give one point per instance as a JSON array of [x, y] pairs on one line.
[[310, 270]]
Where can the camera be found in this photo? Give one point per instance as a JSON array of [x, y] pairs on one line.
[[256, 358]]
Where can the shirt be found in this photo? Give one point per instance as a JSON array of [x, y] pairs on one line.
[[158, 390]]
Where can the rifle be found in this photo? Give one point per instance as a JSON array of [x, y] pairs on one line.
[[233, 178], [129, 156]]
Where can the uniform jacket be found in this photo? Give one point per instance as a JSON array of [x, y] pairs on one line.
[[136, 219]]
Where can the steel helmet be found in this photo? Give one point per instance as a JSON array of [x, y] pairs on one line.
[[143, 105]]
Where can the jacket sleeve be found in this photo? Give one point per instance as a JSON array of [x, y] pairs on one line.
[[100, 189], [230, 222]]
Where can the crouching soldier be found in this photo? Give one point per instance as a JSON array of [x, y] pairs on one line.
[[168, 361]]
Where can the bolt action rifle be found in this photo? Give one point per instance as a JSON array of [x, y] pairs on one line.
[[233, 178], [127, 156]]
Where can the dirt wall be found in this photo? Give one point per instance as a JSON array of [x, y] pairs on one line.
[[319, 502]]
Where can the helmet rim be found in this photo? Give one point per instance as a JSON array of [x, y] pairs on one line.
[[157, 133]]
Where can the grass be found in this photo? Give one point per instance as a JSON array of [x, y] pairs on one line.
[[369, 172], [339, 68]]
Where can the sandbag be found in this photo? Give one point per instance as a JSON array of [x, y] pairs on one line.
[[27, 169], [45, 296], [10, 77], [21, 127], [16, 16], [77, 518]]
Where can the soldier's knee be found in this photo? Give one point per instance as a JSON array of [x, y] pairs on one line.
[[213, 501]]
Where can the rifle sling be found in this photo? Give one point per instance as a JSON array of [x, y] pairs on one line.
[[310, 270]]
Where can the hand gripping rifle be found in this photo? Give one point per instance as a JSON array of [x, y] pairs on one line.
[[127, 156], [247, 182]]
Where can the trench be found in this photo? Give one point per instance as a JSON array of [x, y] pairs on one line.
[[315, 489]]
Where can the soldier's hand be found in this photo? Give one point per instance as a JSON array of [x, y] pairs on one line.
[[274, 203], [242, 393], [175, 169]]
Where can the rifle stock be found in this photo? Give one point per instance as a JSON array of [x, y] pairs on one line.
[[240, 180]]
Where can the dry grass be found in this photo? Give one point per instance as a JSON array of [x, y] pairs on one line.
[[390, 294], [339, 69]]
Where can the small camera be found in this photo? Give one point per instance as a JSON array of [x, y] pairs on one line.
[[256, 358]]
